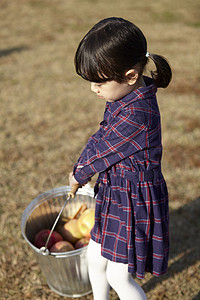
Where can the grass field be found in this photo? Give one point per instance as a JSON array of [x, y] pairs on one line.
[[48, 112]]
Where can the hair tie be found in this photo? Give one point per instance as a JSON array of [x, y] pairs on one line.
[[147, 54]]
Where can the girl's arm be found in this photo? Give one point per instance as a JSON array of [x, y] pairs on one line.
[[93, 139], [125, 136]]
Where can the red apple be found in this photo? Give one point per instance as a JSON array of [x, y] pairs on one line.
[[70, 231], [82, 242], [62, 246], [86, 221], [41, 238]]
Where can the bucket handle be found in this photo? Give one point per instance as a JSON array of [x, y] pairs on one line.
[[71, 194]]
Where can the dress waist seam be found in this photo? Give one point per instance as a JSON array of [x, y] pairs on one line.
[[147, 175]]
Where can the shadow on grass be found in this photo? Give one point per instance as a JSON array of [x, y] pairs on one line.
[[184, 242], [197, 297], [6, 52]]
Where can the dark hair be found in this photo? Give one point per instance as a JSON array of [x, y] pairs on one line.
[[111, 48]]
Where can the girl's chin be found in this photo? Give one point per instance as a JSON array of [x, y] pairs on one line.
[[111, 101]]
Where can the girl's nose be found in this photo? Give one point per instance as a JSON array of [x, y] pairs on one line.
[[94, 87]]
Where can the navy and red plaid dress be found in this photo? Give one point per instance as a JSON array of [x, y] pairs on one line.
[[131, 217]]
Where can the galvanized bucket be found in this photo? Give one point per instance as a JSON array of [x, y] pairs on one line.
[[66, 273]]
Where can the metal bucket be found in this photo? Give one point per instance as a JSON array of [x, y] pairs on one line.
[[66, 273]]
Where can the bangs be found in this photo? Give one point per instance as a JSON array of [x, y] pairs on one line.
[[91, 63], [88, 68]]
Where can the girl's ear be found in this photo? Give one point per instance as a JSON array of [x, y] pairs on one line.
[[132, 76]]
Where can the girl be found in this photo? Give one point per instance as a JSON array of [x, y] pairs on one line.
[[130, 234]]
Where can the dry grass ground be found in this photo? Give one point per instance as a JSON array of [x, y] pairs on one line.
[[48, 113]]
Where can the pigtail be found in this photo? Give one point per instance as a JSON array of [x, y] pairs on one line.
[[163, 74]]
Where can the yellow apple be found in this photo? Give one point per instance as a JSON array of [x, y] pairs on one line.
[[70, 231], [86, 222]]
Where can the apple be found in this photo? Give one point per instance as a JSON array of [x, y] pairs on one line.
[[70, 231], [86, 222], [62, 246], [82, 242], [41, 238]]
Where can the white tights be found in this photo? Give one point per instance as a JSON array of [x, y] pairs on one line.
[[104, 273]]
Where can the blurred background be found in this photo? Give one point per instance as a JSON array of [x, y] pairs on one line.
[[47, 114]]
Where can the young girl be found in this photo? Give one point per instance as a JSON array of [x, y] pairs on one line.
[[130, 234]]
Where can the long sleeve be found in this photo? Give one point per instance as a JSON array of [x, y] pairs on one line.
[[124, 136], [93, 139]]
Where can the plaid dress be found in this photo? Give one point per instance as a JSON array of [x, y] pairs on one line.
[[131, 216]]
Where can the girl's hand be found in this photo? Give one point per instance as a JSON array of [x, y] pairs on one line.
[[72, 180]]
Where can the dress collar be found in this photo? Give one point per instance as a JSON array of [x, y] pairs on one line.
[[138, 94]]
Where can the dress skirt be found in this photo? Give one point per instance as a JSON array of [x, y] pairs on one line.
[[132, 222]]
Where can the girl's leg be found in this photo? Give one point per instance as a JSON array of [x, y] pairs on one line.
[[123, 283], [97, 271]]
